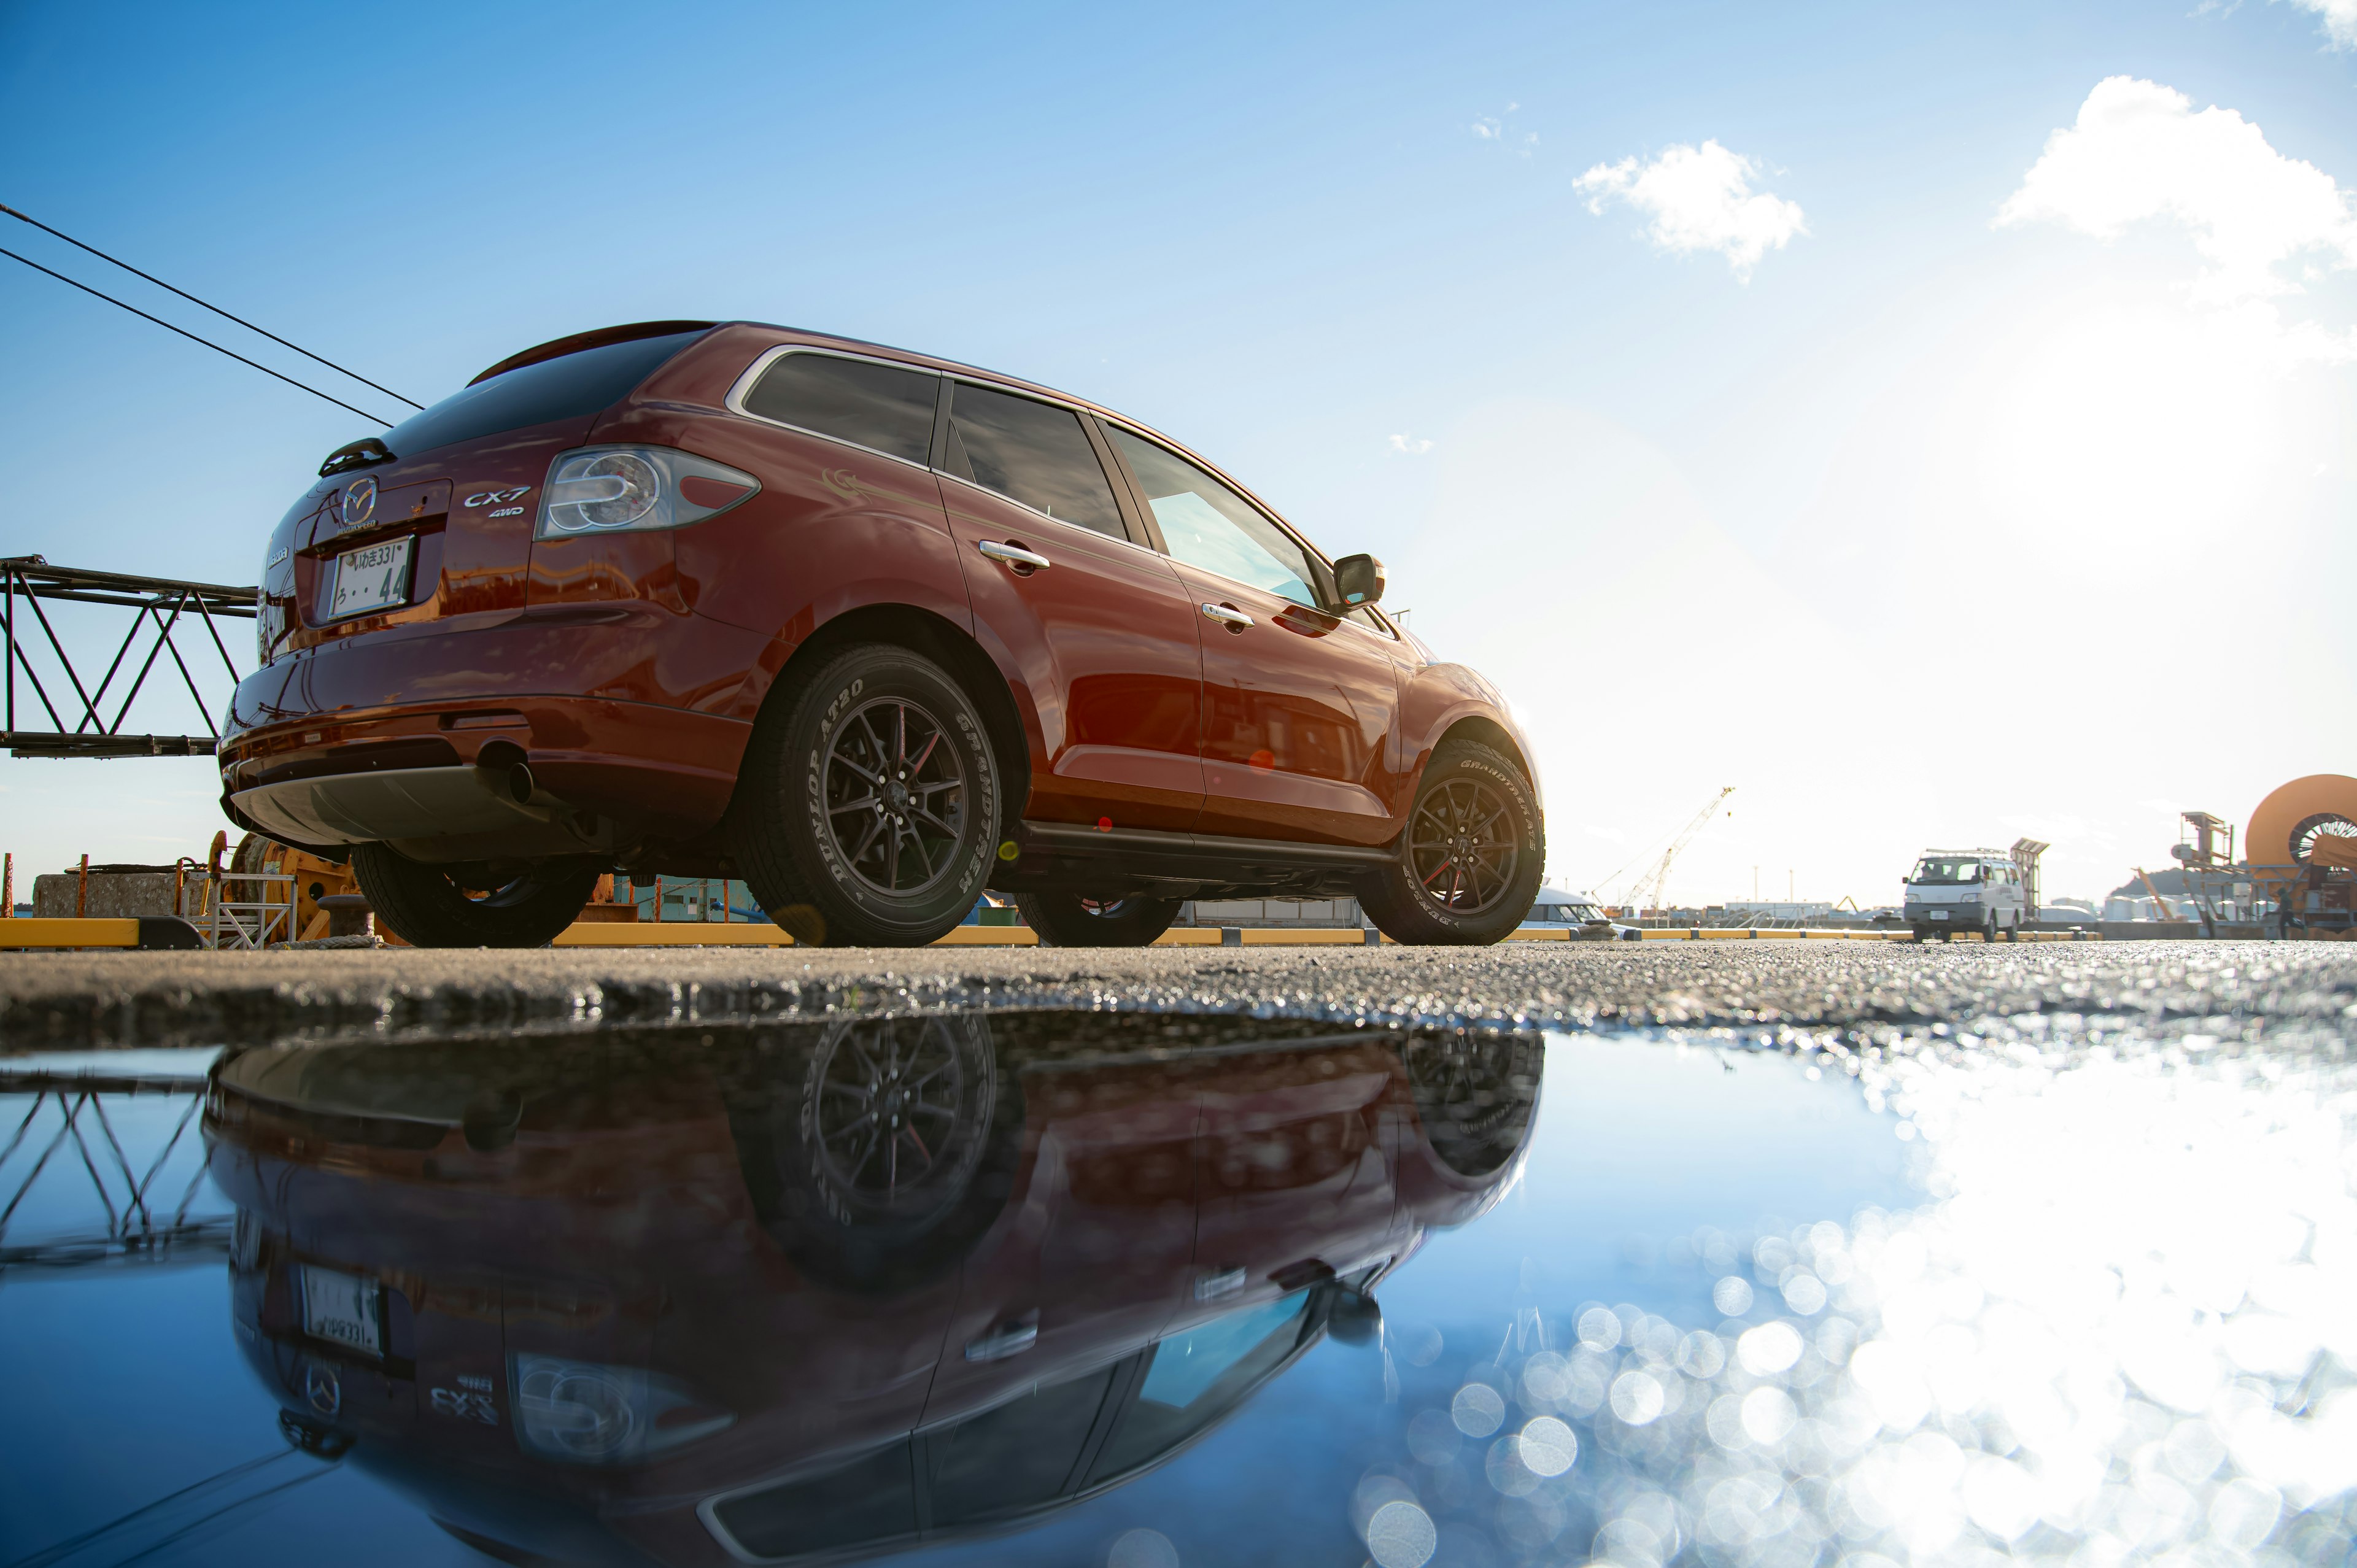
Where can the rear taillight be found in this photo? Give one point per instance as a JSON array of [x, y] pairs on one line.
[[612, 489]]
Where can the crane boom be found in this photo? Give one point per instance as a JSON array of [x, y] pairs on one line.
[[1662, 872]]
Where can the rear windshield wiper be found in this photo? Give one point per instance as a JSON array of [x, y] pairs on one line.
[[365, 453]]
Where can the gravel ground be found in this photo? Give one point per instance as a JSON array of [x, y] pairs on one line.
[[2209, 990]]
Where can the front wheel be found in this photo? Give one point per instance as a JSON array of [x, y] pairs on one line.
[[1068, 920], [868, 810], [477, 905], [1470, 861]]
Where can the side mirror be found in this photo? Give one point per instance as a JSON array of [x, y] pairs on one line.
[[1354, 1318], [1359, 579]]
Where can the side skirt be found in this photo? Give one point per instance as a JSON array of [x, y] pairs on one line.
[[1069, 856]]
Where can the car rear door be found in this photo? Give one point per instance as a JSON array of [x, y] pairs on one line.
[[1300, 705], [1097, 628]]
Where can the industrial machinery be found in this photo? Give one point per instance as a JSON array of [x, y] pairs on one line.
[[2301, 845], [1648, 889]]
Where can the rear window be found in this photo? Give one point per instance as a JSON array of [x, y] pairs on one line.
[[859, 401], [571, 386]]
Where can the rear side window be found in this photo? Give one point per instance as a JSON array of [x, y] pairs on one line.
[[871, 1499], [1032, 452], [571, 386], [877, 406]]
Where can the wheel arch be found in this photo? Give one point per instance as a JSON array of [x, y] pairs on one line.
[[945, 642]]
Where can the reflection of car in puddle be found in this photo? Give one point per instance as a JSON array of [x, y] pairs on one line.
[[825, 1288]]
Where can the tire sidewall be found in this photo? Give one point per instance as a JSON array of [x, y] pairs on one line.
[[820, 712], [1403, 903]]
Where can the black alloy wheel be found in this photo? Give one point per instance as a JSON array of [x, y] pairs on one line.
[[478, 904], [896, 796], [1460, 846], [1474, 1094], [1468, 861], [884, 1115], [878, 1151], [1072, 920], [867, 811]]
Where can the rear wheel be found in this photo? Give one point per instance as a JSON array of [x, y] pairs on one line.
[[868, 807], [481, 905], [1470, 863], [1068, 920], [878, 1153]]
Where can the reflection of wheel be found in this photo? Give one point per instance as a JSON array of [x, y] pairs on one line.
[[1474, 849], [1474, 1093], [868, 810], [1068, 920], [479, 905], [883, 1150]]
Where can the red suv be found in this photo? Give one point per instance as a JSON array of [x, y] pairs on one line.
[[872, 632]]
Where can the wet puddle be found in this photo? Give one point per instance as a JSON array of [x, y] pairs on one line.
[[1141, 1290]]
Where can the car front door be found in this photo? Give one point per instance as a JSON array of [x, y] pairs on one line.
[[1097, 629], [1300, 704]]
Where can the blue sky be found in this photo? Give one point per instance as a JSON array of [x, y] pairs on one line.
[[1925, 529]]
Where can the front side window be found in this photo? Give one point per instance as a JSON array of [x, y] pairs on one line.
[[1198, 1376], [1017, 1454], [1207, 524], [1032, 452], [881, 407]]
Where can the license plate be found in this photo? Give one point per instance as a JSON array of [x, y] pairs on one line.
[[343, 1309], [1939, 914], [373, 578]]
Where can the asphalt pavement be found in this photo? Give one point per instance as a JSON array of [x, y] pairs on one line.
[[2207, 992]]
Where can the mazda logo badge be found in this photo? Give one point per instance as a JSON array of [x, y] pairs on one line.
[[360, 502], [323, 1389]]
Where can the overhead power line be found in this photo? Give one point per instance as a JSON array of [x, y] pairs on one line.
[[216, 309], [192, 337]]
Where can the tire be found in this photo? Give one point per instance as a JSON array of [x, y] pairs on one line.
[[1490, 875], [918, 857], [841, 1216], [525, 904], [1474, 1095], [1068, 920], [1988, 932]]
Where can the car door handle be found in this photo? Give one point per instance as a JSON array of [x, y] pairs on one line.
[[1006, 1340], [1228, 616], [1211, 1287], [1013, 554]]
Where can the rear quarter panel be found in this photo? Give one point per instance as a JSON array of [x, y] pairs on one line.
[[835, 528]]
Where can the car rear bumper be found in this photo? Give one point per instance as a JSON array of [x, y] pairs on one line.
[[439, 782], [627, 717]]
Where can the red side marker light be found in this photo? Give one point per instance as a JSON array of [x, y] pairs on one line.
[[1104, 824], [1264, 759]]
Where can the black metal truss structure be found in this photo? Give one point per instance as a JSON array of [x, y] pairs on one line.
[[139, 1224], [160, 605]]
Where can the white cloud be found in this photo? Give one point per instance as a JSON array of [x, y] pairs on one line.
[[2340, 20], [1413, 446], [2138, 152], [1700, 199], [1493, 128]]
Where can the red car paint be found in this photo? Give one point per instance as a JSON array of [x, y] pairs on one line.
[[628, 668], [1163, 1174]]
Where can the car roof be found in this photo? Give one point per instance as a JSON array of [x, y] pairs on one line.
[[556, 348]]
